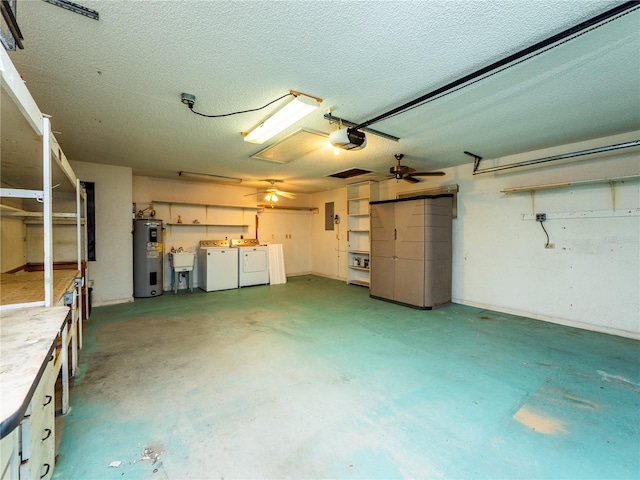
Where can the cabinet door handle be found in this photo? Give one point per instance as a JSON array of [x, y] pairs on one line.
[[49, 432], [48, 400], [46, 471], [395, 234]]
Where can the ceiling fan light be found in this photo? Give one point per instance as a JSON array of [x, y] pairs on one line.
[[298, 108]]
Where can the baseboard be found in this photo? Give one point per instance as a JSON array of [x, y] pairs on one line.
[[332, 277], [299, 274], [558, 321], [117, 301]]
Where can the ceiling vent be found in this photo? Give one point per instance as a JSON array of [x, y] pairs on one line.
[[291, 147], [352, 172]]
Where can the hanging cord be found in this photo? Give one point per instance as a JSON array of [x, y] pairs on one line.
[[190, 105], [545, 232]]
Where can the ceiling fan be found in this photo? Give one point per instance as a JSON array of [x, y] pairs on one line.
[[408, 174], [271, 194]]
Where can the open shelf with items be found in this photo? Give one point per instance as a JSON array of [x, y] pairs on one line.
[[192, 214], [270, 206], [358, 224], [198, 224], [197, 204]]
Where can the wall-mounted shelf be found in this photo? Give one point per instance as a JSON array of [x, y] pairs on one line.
[[16, 212], [284, 207], [56, 221], [215, 215], [215, 205], [174, 224], [623, 212], [549, 186]]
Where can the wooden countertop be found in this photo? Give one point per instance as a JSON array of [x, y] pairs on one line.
[[27, 339]]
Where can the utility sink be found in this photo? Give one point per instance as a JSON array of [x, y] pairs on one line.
[[182, 260]]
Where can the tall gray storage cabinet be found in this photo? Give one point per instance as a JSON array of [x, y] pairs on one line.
[[411, 251]]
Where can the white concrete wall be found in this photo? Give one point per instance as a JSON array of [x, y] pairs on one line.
[[274, 226], [329, 247], [12, 243], [112, 272], [590, 279], [292, 229], [65, 247]]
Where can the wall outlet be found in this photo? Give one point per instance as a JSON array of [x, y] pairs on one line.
[[541, 217], [550, 245]]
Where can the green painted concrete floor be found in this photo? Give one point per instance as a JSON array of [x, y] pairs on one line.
[[313, 379]]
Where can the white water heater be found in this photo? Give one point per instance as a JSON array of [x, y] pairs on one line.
[[148, 258]]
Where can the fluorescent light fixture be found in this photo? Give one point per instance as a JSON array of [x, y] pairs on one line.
[[208, 177], [297, 108]]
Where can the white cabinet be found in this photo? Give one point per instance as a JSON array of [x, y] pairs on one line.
[[358, 224], [37, 430]]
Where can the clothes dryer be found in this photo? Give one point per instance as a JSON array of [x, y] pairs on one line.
[[253, 262]]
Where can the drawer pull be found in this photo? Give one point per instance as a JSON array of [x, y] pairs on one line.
[[49, 398], [48, 430], [47, 471]]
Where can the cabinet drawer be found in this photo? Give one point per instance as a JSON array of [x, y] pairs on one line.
[[36, 468], [37, 440], [39, 423]]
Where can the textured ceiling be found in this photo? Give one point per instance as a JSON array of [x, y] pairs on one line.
[[113, 86]]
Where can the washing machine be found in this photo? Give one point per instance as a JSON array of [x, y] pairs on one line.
[[253, 262], [217, 265]]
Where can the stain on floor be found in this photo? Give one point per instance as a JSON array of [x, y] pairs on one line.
[[314, 379]]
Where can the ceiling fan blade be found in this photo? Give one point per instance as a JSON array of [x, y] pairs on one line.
[[427, 174], [286, 194], [249, 194], [410, 179]]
